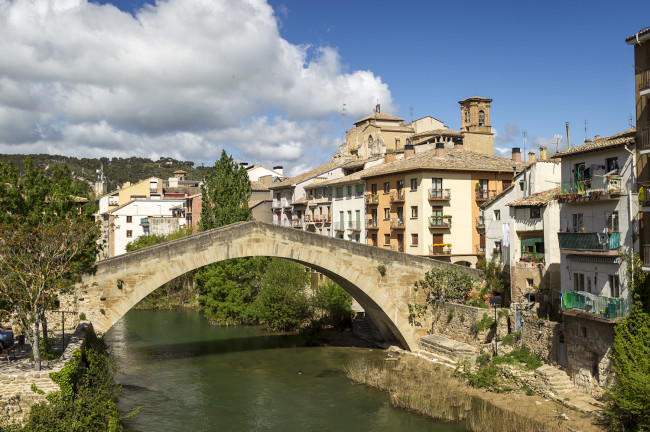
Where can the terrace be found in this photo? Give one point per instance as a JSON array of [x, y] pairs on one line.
[[581, 303], [590, 242]]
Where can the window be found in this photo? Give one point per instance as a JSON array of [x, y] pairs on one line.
[[387, 187], [370, 140], [396, 143], [350, 218], [360, 189], [386, 239], [414, 184], [386, 213], [532, 248], [579, 171], [414, 212], [577, 222], [129, 219], [505, 184], [614, 286], [578, 281], [497, 214], [129, 233], [530, 283], [534, 213], [400, 185], [612, 221], [373, 188], [339, 193], [482, 191], [466, 116], [481, 118], [497, 248], [349, 191], [611, 165], [414, 239], [436, 188], [341, 220]]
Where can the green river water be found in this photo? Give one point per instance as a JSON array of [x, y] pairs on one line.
[[187, 375]]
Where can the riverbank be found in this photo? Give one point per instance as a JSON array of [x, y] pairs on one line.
[[424, 387]]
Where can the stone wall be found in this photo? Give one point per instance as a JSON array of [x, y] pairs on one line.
[[541, 336], [456, 321], [17, 379]]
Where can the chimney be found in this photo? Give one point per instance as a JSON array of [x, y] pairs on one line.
[[531, 156], [568, 137], [458, 143], [440, 149], [409, 151], [390, 157], [378, 108], [542, 152], [516, 154], [278, 169], [596, 137]]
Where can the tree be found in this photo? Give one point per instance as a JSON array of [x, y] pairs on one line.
[[335, 303], [283, 303], [37, 208], [38, 262], [228, 290], [628, 406], [445, 283], [225, 194]]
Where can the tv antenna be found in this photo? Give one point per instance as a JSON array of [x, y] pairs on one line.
[[631, 121], [558, 140], [585, 130], [343, 112], [411, 112]]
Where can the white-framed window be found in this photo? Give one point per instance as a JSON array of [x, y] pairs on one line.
[[414, 212], [414, 184]]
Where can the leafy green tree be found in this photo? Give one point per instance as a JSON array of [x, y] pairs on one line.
[[283, 303], [639, 280], [40, 261], [628, 406], [228, 290], [445, 283], [225, 194], [335, 303], [36, 209]]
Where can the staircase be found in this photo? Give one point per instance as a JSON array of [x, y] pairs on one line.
[[562, 388]]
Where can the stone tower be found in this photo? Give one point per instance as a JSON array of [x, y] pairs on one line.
[[475, 124]]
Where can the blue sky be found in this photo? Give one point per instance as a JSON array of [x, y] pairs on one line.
[[266, 81]]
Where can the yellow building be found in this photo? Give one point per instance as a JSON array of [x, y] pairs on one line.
[[428, 203]]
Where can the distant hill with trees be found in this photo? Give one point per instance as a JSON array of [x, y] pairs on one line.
[[116, 170]]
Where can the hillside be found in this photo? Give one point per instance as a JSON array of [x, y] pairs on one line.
[[116, 170]]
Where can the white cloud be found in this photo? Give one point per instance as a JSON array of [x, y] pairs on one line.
[[183, 78]]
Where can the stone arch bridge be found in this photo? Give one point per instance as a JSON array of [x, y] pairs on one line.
[[121, 282]]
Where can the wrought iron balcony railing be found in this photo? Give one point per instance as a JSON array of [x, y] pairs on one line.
[[440, 222], [440, 194]]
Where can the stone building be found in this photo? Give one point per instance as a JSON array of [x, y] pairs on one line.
[[475, 124]]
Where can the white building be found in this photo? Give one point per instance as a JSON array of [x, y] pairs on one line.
[[521, 227], [598, 209], [255, 172], [141, 217]]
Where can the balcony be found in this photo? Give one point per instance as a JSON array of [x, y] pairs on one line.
[[580, 303], [440, 222], [484, 194], [440, 249], [439, 194], [480, 223], [532, 257], [339, 226], [372, 199], [480, 249], [372, 224], [144, 221], [354, 225], [286, 202], [397, 196], [297, 223], [589, 190], [590, 242], [644, 82], [277, 204], [397, 224]]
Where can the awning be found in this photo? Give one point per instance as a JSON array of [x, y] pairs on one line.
[[595, 259]]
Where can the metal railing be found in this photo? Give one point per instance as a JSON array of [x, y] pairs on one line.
[[371, 223], [439, 194], [589, 241], [339, 226], [484, 194], [354, 225], [439, 250], [397, 196], [440, 222], [532, 257], [597, 187], [372, 198], [644, 82], [480, 222], [296, 223], [598, 306], [397, 223]]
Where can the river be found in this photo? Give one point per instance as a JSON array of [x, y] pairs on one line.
[[187, 375]]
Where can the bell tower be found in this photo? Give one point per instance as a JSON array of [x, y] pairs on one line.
[[475, 124]]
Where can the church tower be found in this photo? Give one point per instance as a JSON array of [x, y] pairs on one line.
[[475, 125]]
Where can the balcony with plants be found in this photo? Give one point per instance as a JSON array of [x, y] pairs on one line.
[[596, 188], [372, 199], [397, 223], [583, 304], [397, 196], [483, 194], [480, 223], [439, 194], [440, 249], [440, 222]]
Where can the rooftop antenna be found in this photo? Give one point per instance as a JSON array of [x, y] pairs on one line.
[[558, 140], [525, 136], [585, 130], [631, 121], [343, 109], [411, 112]]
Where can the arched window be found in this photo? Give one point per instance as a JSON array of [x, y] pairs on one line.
[[466, 116], [481, 118], [370, 139]]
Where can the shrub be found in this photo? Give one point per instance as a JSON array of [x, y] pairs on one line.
[[485, 323], [336, 303], [82, 316]]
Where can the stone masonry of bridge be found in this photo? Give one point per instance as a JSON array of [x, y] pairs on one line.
[[121, 282]]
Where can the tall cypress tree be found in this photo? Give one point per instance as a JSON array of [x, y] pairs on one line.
[[226, 191]]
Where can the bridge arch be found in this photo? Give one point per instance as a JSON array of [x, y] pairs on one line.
[[121, 282]]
